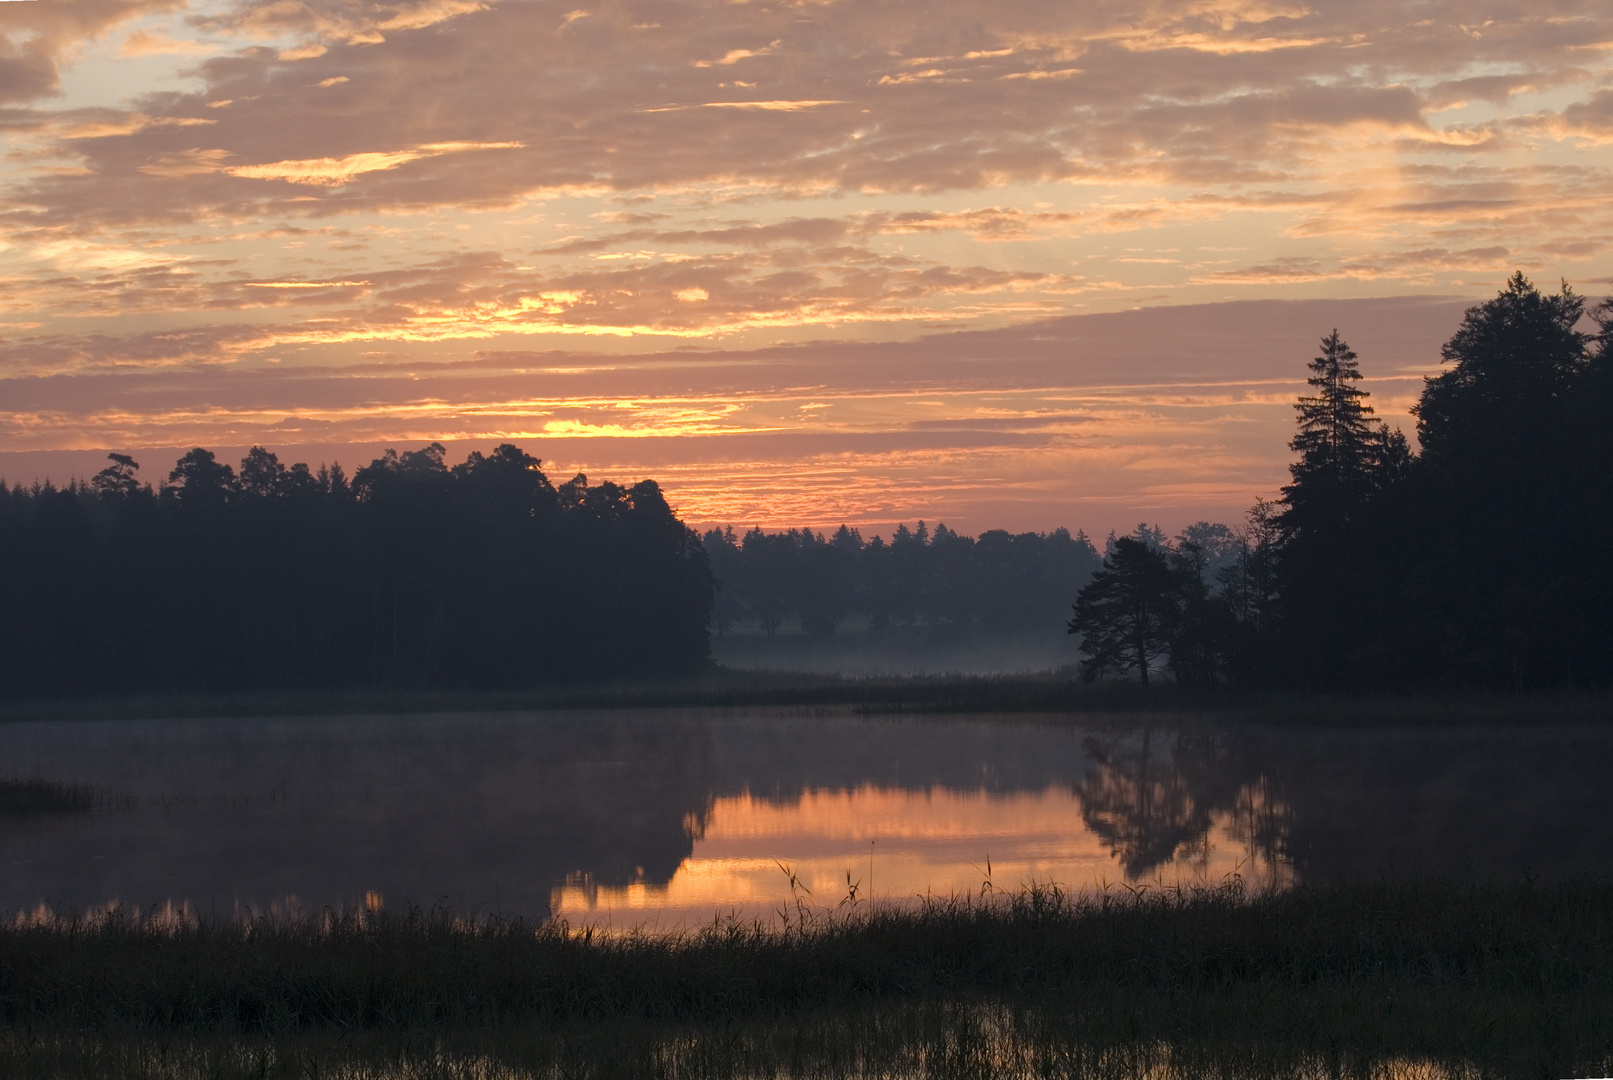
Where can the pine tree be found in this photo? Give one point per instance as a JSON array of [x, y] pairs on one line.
[[1337, 443], [1325, 558], [1128, 614]]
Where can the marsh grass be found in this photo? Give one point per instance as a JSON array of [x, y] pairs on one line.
[[955, 1043], [1347, 980], [27, 798]]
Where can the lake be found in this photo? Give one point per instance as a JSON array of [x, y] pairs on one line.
[[666, 818]]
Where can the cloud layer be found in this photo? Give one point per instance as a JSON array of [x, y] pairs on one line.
[[1089, 421], [248, 197]]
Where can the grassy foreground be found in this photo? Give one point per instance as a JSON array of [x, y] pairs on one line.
[[24, 798], [1387, 978]]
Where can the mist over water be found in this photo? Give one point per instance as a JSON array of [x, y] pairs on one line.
[[667, 817], [917, 651]]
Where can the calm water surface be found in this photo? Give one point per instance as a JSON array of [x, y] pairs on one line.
[[671, 817]]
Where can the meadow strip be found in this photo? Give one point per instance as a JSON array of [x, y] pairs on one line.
[[1516, 976]]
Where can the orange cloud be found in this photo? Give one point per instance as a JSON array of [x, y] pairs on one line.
[[156, 43], [334, 172]]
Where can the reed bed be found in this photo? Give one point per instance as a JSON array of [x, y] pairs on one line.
[[1454, 980], [27, 798], [912, 1043]]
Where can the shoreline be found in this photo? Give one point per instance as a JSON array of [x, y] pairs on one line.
[[1047, 693]]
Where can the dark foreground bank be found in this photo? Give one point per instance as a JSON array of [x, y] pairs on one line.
[[1504, 980]]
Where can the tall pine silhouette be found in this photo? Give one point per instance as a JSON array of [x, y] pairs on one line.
[[1337, 444], [1323, 566]]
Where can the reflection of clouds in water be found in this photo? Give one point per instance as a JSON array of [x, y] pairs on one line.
[[482, 813], [895, 843], [629, 815]]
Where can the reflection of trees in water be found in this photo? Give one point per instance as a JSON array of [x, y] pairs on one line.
[[1328, 805], [1488, 801], [1154, 798], [1262, 820], [484, 812], [640, 795], [660, 852]]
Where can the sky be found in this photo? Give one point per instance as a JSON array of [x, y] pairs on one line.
[[1017, 264]]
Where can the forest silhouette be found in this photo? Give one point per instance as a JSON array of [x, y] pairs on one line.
[[412, 574], [1479, 561]]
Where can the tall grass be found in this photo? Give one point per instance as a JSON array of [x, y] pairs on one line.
[[25, 798], [943, 1042], [1505, 980]]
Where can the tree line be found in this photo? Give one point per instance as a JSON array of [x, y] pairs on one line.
[[998, 584], [1480, 560], [1477, 560], [413, 573]]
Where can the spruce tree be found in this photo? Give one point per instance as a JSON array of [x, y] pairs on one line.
[[1322, 568], [1338, 446]]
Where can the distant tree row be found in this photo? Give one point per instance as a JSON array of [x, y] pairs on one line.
[[411, 574], [1482, 561], [998, 584]]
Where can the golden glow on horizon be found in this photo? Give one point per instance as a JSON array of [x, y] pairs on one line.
[[1191, 446], [1117, 407]]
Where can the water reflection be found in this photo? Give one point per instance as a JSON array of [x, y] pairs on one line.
[[881, 843], [676, 815], [1158, 798], [1149, 805]]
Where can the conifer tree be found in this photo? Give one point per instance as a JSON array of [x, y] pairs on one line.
[[1514, 360], [1128, 614], [1324, 561], [117, 478], [1508, 432], [1337, 443]]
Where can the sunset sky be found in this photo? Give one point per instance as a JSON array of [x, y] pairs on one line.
[[1019, 264]]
